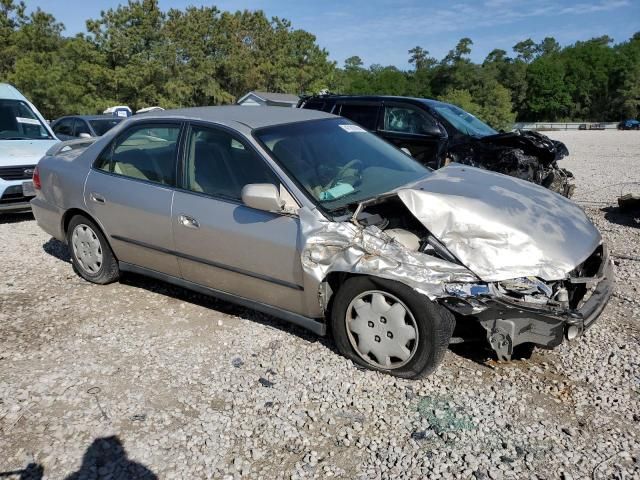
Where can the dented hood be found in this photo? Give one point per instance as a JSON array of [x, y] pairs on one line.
[[500, 227]]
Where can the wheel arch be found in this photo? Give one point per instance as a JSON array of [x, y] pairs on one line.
[[334, 280], [72, 212]]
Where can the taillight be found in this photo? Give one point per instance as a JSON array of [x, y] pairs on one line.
[[36, 179]]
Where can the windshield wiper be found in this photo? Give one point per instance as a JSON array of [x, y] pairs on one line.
[[16, 138]]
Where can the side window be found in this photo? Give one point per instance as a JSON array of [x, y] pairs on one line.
[[81, 127], [407, 119], [314, 105], [365, 115], [145, 152], [64, 127], [219, 164]]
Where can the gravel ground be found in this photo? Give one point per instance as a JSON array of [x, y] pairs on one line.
[[139, 378]]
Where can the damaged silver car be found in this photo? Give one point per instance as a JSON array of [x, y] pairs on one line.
[[308, 217]]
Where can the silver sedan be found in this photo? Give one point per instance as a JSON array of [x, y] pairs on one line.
[[310, 218]]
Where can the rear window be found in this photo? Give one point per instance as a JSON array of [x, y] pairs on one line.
[[365, 115], [103, 126], [19, 122]]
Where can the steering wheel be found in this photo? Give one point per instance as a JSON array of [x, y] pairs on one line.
[[343, 173]]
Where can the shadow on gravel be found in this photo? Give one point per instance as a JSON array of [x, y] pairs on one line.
[[617, 216], [105, 458], [480, 352], [15, 217], [182, 294], [33, 471], [57, 249]]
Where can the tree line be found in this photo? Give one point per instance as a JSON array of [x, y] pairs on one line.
[[140, 55]]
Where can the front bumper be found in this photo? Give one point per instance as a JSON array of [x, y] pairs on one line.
[[508, 323], [13, 198]]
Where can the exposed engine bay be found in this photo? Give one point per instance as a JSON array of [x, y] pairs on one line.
[[510, 311], [392, 217], [523, 154]]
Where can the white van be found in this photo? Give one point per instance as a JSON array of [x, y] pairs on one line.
[[25, 136]]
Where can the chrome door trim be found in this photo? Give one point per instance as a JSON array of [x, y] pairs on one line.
[[229, 268], [314, 325]]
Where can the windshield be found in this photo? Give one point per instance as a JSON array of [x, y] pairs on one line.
[[463, 121], [337, 162], [103, 126], [19, 122]]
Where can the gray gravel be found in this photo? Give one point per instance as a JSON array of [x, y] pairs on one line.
[[139, 378]]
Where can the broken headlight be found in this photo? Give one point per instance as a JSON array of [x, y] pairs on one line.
[[527, 289], [466, 289], [464, 297]]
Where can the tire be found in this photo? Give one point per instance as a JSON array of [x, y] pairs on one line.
[[91, 255], [432, 326]]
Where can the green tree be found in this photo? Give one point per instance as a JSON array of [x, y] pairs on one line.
[[463, 99], [525, 49], [548, 96], [547, 46]]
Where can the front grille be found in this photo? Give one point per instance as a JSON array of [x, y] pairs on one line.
[[13, 195], [23, 172]]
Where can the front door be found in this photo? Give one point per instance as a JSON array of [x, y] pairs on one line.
[[220, 242], [413, 129], [130, 192]]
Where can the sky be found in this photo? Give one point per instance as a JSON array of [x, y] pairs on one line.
[[382, 31]]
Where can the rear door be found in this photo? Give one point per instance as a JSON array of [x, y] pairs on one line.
[[364, 114], [409, 127], [130, 190], [220, 242]]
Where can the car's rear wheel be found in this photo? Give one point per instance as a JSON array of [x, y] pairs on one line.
[[91, 254], [387, 326]]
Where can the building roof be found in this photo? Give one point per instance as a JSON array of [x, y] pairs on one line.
[[237, 114], [273, 97]]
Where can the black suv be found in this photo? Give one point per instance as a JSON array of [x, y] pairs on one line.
[[436, 133]]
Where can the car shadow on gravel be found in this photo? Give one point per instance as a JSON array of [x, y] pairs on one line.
[[6, 218], [212, 303], [106, 457], [619, 217], [57, 249]]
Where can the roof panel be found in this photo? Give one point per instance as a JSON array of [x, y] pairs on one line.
[[253, 117]]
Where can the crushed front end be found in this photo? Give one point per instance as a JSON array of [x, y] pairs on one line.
[[522, 154], [531, 311]]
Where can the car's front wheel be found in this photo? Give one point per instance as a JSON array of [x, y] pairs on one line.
[[387, 326], [91, 255]]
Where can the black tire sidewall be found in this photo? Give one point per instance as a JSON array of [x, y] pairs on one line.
[[109, 271], [435, 325]]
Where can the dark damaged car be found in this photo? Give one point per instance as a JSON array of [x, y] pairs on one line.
[[437, 133], [309, 217]]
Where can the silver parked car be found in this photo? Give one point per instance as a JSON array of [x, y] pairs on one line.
[[306, 216]]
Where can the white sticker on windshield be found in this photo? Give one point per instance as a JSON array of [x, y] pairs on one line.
[[351, 128], [30, 121]]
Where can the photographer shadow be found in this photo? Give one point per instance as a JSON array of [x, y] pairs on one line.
[[106, 458]]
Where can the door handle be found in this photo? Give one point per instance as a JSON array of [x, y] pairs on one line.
[[97, 198], [187, 221]]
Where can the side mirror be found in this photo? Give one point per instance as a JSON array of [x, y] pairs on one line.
[[262, 196], [431, 130], [84, 135]]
